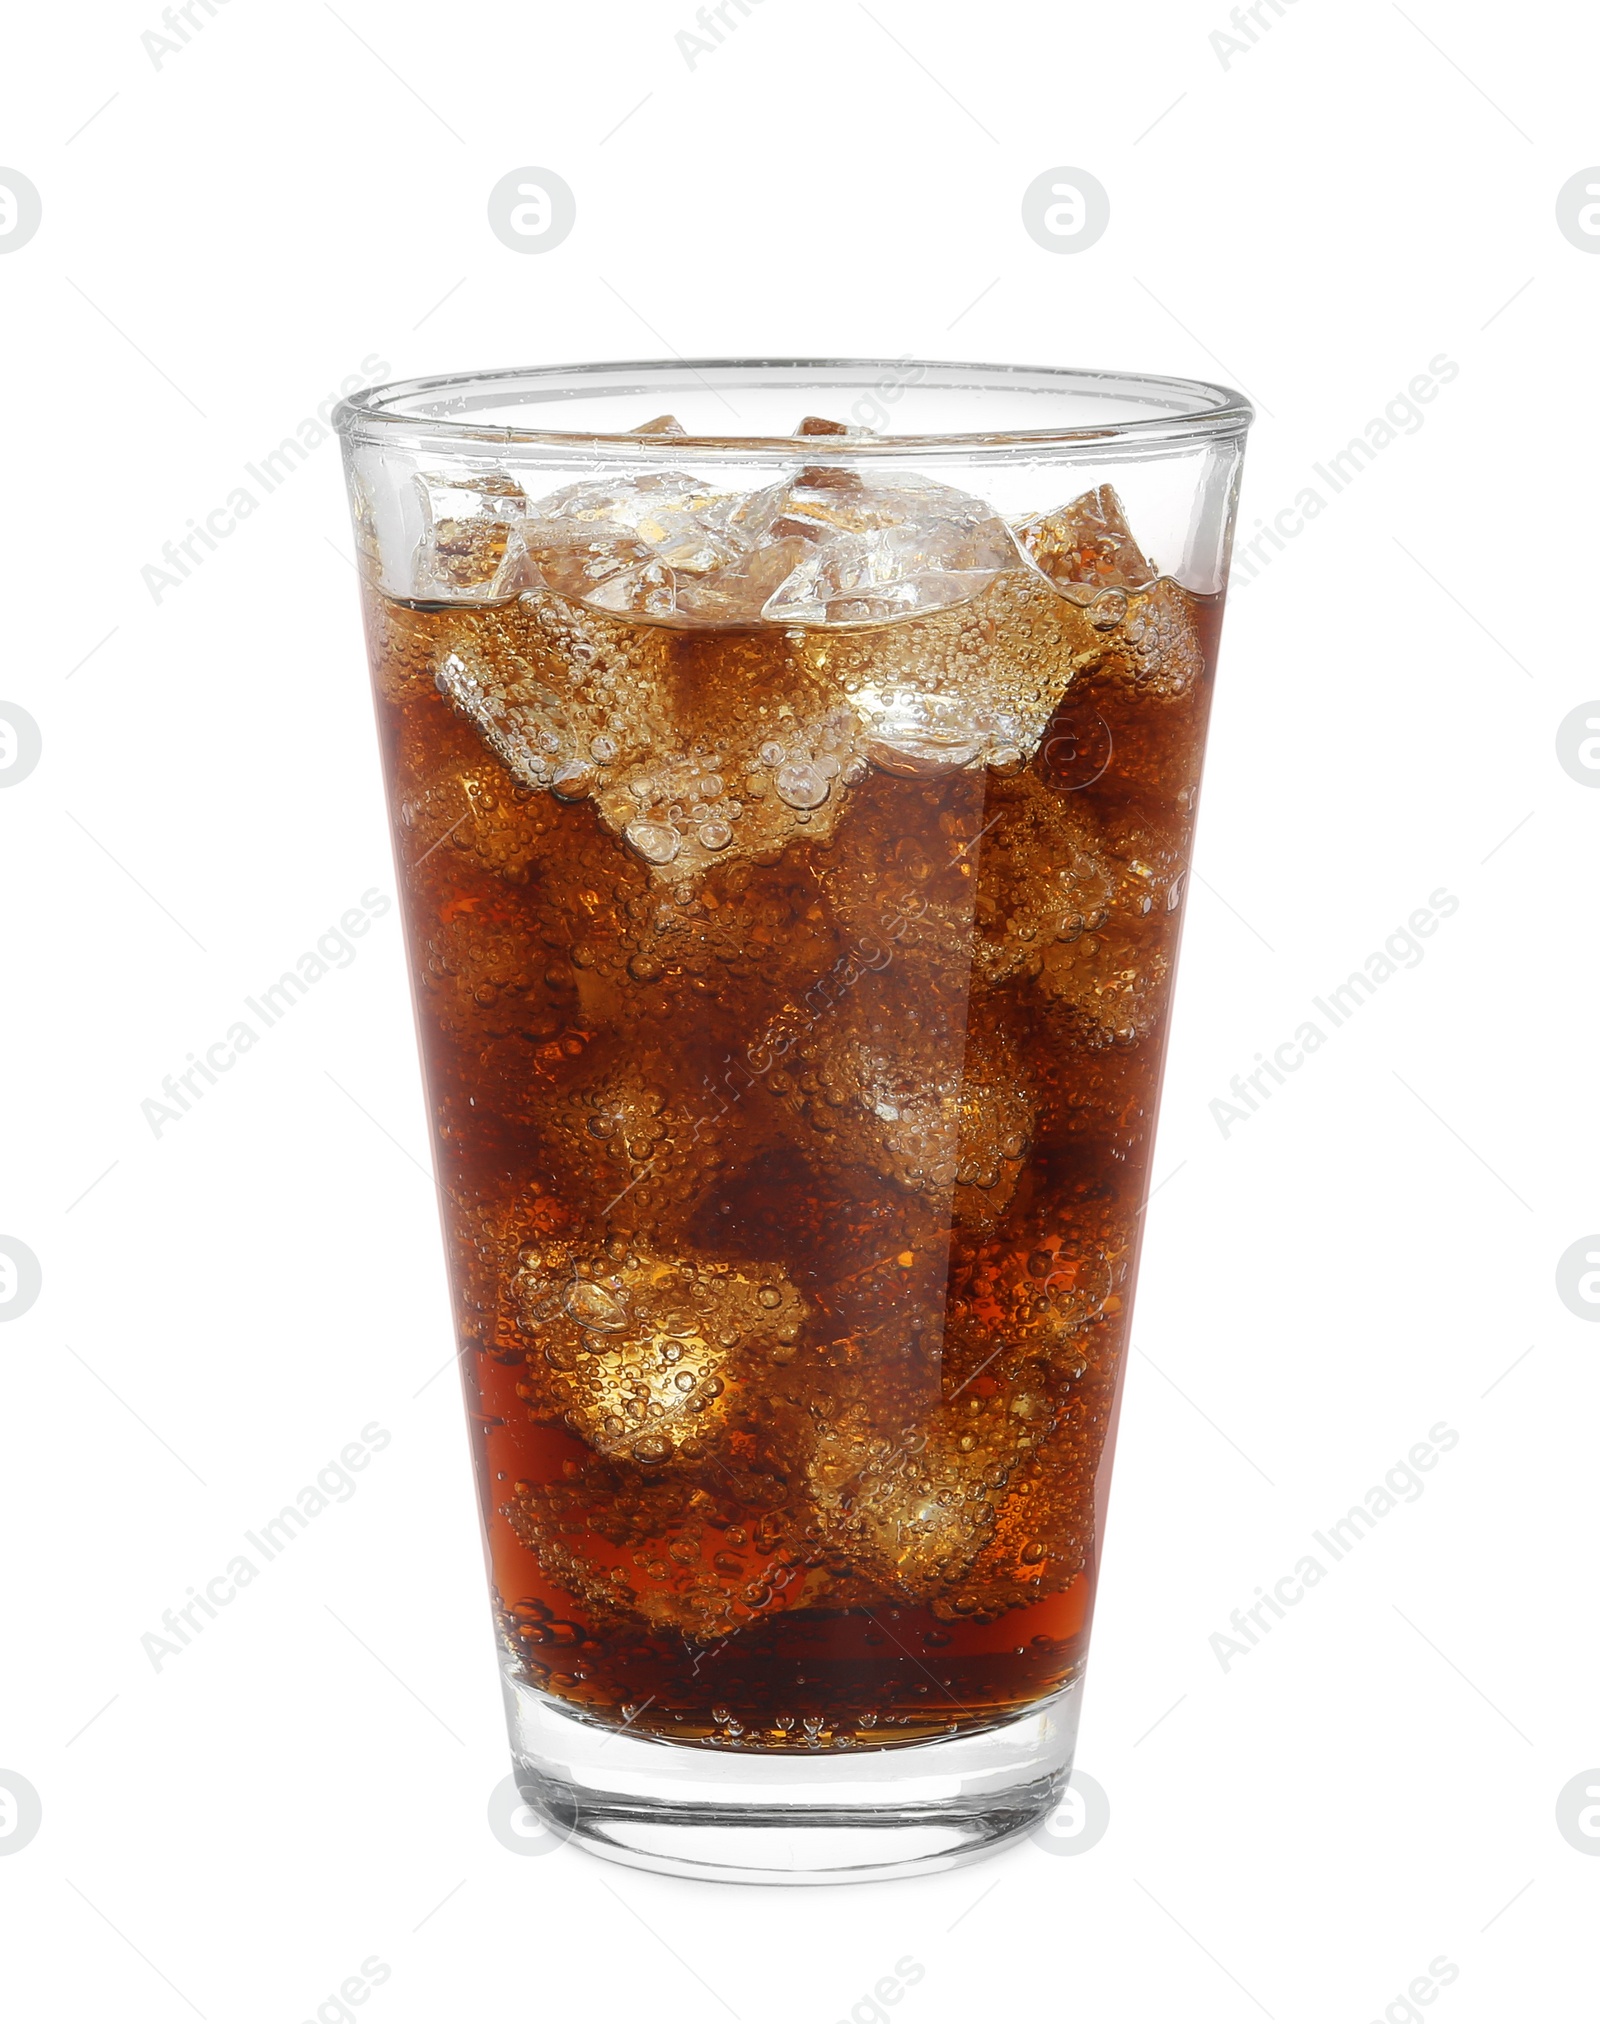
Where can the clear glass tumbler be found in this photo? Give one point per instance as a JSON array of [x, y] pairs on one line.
[[793, 768]]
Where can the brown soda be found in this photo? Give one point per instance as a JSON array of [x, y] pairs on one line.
[[792, 1186]]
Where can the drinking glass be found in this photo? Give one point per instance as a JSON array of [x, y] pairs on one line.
[[793, 770]]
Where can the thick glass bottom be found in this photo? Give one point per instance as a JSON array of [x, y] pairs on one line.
[[732, 1816]]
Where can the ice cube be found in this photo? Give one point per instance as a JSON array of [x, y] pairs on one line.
[[738, 594], [541, 714], [825, 548], [855, 579], [914, 1511], [693, 752], [635, 1353], [1114, 970], [922, 737], [970, 686], [731, 595], [582, 538], [937, 1108], [885, 550], [1115, 979], [632, 1160], [895, 1075], [1087, 547], [809, 551], [661, 1364], [649, 504], [831, 477], [1155, 648], [470, 537], [1046, 874], [649, 588]]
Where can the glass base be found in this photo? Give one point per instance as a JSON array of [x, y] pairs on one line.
[[820, 1817]]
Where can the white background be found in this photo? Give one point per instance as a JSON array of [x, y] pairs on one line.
[[225, 237]]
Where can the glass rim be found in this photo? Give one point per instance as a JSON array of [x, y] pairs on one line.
[[1195, 411]]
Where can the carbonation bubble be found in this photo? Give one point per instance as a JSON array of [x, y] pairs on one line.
[[715, 835], [656, 842], [802, 785], [593, 1307], [572, 781]]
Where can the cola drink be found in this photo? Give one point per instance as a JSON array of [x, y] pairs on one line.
[[793, 878]]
